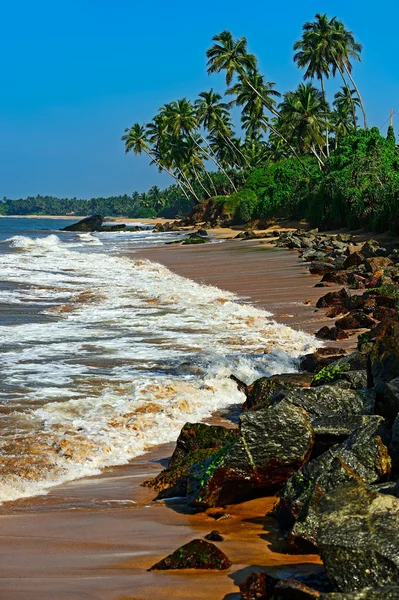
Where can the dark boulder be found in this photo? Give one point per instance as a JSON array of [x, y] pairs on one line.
[[370, 248], [388, 592], [197, 554], [359, 537], [334, 429], [198, 436], [353, 260], [362, 456], [214, 536], [273, 443], [331, 333], [293, 589], [195, 444], [355, 320], [331, 399], [389, 404], [384, 356], [394, 447], [338, 277], [261, 392], [339, 298], [321, 268], [258, 586], [88, 224], [316, 361]]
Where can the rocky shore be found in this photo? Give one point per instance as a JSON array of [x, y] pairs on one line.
[[325, 440]]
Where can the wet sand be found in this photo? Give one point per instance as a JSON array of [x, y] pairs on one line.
[[95, 538]]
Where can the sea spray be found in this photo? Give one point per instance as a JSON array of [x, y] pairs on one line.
[[126, 352]]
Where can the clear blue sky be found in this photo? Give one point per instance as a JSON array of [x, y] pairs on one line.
[[75, 73]]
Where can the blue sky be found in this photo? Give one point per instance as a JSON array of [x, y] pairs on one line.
[[74, 74]]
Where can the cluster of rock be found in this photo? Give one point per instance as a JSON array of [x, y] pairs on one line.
[[326, 440], [196, 237]]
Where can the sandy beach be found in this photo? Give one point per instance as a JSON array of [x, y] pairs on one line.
[[96, 537]]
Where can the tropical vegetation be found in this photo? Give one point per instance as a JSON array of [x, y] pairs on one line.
[[294, 154]]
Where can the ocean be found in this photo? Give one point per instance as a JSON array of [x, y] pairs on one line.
[[105, 354]]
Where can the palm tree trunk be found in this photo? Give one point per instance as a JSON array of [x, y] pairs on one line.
[[350, 95], [188, 184], [323, 91], [358, 95], [163, 168], [208, 195], [275, 131], [321, 164], [212, 158]]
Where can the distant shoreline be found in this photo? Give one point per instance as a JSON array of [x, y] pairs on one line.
[[78, 217]]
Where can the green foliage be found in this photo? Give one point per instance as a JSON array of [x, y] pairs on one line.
[[244, 202], [329, 374], [360, 186], [168, 203]]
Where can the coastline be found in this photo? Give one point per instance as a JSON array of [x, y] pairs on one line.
[[92, 523]]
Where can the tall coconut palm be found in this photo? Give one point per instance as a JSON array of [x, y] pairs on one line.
[[345, 49], [304, 118], [342, 122], [311, 54], [346, 99], [214, 116], [252, 94], [231, 56], [181, 118], [136, 141]]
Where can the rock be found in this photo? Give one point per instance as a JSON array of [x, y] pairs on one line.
[[197, 554], [357, 379], [293, 589], [214, 536], [334, 429], [339, 298], [202, 232], [315, 361], [353, 260], [344, 237], [321, 268], [262, 391], [118, 227], [384, 356], [273, 443], [88, 224], [331, 333], [359, 537], [376, 263], [314, 255], [338, 277], [199, 436], [389, 592], [257, 586], [389, 405], [196, 443], [382, 313], [331, 399], [355, 320], [362, 456], [394, 447], [370, 248]]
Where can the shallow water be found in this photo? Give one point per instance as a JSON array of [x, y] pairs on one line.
[[104, 355]]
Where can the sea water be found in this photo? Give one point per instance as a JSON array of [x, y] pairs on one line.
[[104, 354]]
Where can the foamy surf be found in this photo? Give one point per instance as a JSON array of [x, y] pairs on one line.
[[127, 353]]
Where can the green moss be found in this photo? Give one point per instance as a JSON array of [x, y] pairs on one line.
[[329, 374]]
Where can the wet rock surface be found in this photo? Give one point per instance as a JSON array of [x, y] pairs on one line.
[[88, 224], [197, 554], [359, 537]]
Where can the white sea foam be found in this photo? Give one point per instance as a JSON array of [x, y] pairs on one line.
[[132, 351]]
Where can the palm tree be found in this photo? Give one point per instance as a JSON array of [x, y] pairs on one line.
[[136, 141], [311, 54], [347, 99], [252, 93], [231, 56], [181, 119], [303, 118], [345, 48], [215, 117], [342, 122]]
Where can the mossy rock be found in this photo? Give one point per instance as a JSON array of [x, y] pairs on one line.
[[197, 554]]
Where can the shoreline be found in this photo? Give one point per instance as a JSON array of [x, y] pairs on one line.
[[62, 541]]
